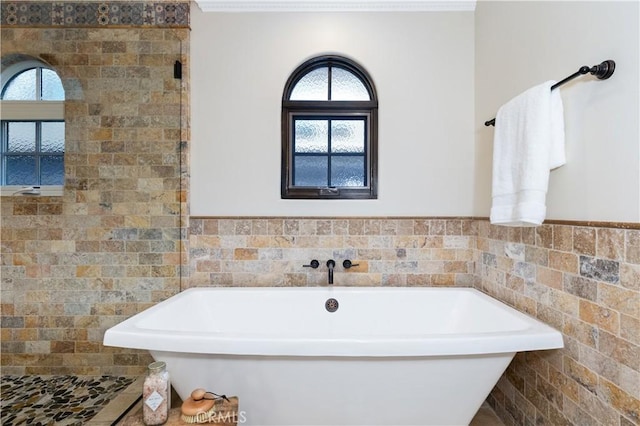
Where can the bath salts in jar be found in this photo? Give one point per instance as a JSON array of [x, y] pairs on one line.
[[156, 394]]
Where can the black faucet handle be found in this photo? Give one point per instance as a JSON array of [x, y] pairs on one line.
[[346, 264], [313, 264]]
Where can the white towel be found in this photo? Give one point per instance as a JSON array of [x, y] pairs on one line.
[[528, 143]]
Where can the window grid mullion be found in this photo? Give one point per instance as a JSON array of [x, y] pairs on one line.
[[329, 150], [38, 83], [38, 152], [329, 73], [4, 142], [293, 154]]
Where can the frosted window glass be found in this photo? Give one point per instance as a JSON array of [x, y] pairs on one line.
[[23, 142], [329, 131], [347, 136], [314, 86], [310, 171], [52, 89], [21, 170], [22, 136], [22, 87], [52, 137], [52, 170], [347, 171], [345, 86], [311, 136]]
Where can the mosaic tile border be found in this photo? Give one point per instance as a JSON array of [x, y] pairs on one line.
[[91, 14]]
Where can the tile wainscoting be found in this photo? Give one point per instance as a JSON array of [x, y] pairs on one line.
[[584, 281], [272, 251]]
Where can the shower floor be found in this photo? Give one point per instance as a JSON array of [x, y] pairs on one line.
[[59, 400]]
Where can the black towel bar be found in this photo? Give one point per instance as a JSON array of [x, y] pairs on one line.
[[602, 71]]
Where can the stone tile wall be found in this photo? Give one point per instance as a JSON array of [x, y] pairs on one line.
[[585, 282], [111, 245], [272, 251]]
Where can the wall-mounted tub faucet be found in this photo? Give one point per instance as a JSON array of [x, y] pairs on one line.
[[348, 264], [313, 264], [331, 264]]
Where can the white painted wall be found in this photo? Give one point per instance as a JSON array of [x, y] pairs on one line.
[[521, 44], [435, 152], [422, 65]]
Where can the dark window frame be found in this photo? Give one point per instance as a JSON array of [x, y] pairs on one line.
[[293, 109], [14, 65]]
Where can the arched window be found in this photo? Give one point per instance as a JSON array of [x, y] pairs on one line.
[[329, 131], [32, 124]]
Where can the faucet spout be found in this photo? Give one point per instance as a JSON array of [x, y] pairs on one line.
[[331, 264]]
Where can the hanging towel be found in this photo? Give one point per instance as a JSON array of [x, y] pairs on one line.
[[528, 143]]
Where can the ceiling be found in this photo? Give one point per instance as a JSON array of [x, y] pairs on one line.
[[335, 5]]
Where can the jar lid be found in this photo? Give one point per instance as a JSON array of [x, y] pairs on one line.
[[157, 366]]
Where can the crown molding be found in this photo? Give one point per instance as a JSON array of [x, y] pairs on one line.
[[336, 5]]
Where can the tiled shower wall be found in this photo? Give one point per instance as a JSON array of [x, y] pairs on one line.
[[111, 245]]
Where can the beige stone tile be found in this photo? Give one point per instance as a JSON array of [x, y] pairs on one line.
[[604, 318], [610, 243], [630, 276], [632, 253], [620, 299], [544, 236], [563, 261], [581, 331], [621, 350], [438, 227], [563, 238], [245, 254], [584, 240], [630, 329], [549, 277], [620, 399]]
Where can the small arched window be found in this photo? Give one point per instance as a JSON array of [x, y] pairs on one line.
[[329, 131], [32, 124]]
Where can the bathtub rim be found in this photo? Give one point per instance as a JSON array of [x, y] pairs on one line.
[[538, 335]]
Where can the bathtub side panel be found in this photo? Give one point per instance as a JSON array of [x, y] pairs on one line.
[[345, 391]]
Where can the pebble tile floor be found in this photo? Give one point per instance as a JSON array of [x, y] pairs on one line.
[[56, 400]]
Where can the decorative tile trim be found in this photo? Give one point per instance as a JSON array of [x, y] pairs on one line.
[[91, 14]]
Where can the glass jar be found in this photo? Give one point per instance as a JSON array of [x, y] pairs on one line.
[[156, 394]]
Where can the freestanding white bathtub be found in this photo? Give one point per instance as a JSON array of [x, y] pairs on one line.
[[386, 356]]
